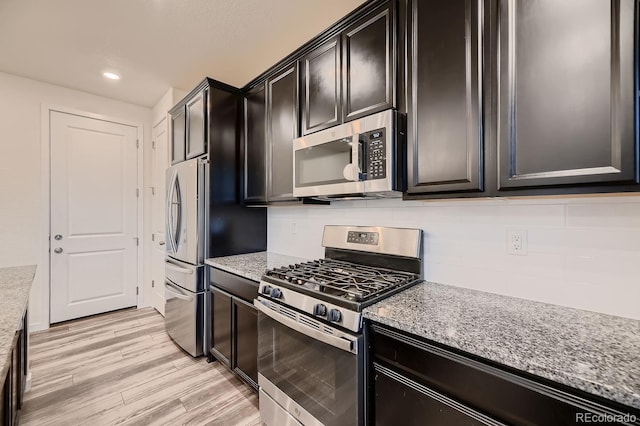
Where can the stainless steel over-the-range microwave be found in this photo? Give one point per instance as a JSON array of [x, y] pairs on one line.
[[364, 157]]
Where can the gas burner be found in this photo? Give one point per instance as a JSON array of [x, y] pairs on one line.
[[347, 280]]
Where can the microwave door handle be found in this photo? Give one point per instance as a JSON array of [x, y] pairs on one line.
[[345, 342], [362, 173]]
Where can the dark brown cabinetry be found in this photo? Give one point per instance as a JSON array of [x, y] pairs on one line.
[[520, 98], [178, 135], [245, 343], [271, 124], [565, 93], [444, 119], [221, 326], [353, 73], [414, 381], [255, 121], [234, 324], [196, 141], [13, 383]]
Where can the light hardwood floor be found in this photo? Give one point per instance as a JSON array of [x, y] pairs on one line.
[[122, 368]]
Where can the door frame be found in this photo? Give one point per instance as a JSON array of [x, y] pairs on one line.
[[45, 210]]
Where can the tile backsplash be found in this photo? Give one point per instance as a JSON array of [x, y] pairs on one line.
[[581, 252]]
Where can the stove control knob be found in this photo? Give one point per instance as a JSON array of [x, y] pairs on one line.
[[320, 310], [266, 290], [335, 315], [276, 293]]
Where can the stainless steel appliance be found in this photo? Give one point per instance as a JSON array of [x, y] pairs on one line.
[[364, 157], [310, 344], [184, 267]]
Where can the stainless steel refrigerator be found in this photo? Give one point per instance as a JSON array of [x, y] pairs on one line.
[[185, 241]]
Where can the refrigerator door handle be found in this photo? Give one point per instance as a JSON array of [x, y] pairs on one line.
[[179, 269], [176, 292]]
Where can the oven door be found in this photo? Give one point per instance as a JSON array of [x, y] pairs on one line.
[[310, 372], [327, 167]]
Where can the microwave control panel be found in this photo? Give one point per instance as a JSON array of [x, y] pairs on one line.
[[375, 153]]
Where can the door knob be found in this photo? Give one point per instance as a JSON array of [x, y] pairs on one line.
[[58, 250], [58, 237]]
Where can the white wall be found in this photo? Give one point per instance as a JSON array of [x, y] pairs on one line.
[[21, 196], [582, 252]]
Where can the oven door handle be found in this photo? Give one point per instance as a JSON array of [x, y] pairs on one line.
[[345, 342]]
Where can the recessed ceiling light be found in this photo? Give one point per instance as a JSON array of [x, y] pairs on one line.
[[111, 76]]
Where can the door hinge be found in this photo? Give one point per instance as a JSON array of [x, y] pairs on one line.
[[153, 190], [137, 291], [137, 143], [153, 144], [153, 283], [153, 237], [137, 241], [137, 192]]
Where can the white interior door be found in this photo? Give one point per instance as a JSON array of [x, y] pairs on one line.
[[93, 216], [158, 252]]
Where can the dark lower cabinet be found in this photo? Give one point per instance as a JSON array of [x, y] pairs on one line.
[[13, 383], [413, 381], [234, 324], [221, 326], [245, 348], [399, 400]]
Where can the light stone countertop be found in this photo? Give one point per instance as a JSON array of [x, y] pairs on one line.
[[15, 284], [593, 352], [252, 265]]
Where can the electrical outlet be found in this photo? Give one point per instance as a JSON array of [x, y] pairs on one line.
[[517, 242]]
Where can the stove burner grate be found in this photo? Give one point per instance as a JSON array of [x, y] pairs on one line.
[[351, 281]]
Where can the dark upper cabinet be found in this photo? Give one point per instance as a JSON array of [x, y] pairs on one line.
[[178, 135], [221, 325], [369, 62], [565, 93], [444, 121], [322, 87], [352, 74], [255, 116], [196, 136], [282, 128], [245, 342]]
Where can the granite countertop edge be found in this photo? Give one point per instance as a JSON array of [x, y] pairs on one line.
[[15, 285], [529, 349], [252, 265]]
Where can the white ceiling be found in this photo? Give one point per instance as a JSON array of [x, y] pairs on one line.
[[155, 44]]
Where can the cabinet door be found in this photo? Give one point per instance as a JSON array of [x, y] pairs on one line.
[[255, 170], [282, 127], [369, 61], [566, 92], [400, 400], [322, 87], [196, 125], [221, 326], [245, 347], [444, 123], [178, 137]]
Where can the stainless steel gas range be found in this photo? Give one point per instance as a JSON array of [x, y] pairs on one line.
[[310, 342]]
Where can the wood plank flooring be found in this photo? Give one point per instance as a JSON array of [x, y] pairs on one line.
[[122, 368]]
